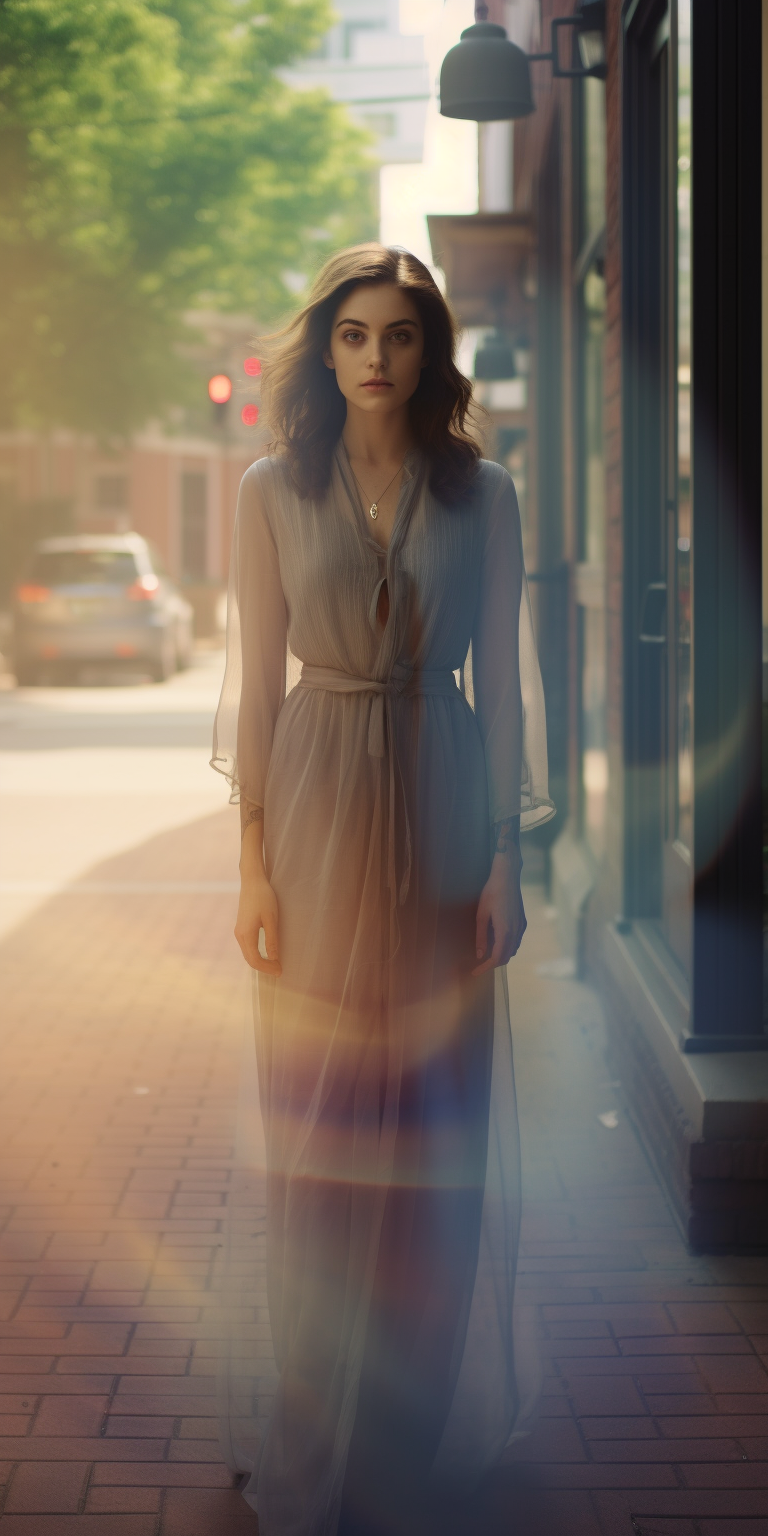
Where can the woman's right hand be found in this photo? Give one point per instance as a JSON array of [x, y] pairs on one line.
[[257, 909]]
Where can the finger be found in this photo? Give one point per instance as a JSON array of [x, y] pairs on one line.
[[481, 930], [487, 965], [249, 946], [267, 967], [493, 959], [511, 945], [269, 924], [517, 938], [257, 962]]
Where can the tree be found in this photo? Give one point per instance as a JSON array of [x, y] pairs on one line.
[[153, 160]]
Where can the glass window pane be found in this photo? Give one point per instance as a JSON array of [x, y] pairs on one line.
[[593, 631], [594, 771], [84, 567], [683, 829], [594, 454], [590, 574]]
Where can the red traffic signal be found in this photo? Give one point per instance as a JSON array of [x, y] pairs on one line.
[[252, 367], [249, 415], [220, 388]]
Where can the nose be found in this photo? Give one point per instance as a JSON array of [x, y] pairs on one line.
[[376, 359]]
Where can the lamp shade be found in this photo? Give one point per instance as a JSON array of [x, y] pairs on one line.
[[495, 359], [591, 36], [485, 78]]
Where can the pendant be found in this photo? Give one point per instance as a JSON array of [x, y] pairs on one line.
[[374, 510]]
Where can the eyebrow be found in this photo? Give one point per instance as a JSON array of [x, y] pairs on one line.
[[363, 324]]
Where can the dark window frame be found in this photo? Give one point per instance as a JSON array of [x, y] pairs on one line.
[[726, 976], [642, 553], [727, 478]]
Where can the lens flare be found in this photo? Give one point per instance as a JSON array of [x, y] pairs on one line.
[[220, 388]]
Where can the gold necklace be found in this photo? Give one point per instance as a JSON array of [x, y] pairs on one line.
[[373, 510]]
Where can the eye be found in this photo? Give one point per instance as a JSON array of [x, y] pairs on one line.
[[353, 336], [400, 336]]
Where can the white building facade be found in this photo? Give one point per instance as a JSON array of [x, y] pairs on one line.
[[379, 74]]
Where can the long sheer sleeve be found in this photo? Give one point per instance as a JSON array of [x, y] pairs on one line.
[[508, 693], [254, 678]]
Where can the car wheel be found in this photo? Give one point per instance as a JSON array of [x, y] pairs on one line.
[[165, 665]]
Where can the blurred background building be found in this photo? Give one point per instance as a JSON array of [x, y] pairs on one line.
[[618, 247], [380, 74]]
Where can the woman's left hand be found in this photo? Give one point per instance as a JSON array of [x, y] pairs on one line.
[[501, 920]]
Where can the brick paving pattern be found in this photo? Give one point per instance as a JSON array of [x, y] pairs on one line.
[[121, 1047]]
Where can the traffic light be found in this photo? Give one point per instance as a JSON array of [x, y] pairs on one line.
[[220, 393], [249, 415]]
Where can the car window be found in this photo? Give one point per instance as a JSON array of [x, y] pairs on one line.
[[83, 567]]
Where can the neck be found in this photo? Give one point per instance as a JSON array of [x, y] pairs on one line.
[[377, 440]]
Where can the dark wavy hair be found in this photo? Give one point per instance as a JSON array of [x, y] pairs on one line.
[[305, 407]]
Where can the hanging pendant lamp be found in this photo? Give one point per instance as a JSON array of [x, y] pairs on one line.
[[495, 358], [485, 78]]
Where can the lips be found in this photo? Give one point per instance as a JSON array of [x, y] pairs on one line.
[[374, 385]]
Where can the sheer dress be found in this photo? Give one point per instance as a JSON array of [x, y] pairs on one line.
[[378, 1197]]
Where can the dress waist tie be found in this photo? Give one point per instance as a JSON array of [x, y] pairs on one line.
[[384, 692]]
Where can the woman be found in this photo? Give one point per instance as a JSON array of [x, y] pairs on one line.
[[380, 858]]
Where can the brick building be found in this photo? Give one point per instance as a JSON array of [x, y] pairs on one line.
[[176, 484], [631, 235], [179, 492]]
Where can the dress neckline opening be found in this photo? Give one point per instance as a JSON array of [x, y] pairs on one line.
[[408, 474]]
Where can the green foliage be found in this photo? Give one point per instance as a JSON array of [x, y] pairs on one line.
[[153, 161]]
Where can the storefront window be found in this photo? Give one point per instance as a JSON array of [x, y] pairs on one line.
[[590, 571], [683, 829], [592, 575], [765, 525]]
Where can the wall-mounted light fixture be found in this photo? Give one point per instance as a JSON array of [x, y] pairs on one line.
[[591, 37], [486, 78]]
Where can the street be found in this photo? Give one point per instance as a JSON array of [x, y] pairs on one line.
[[86, 773], [124, 1005]]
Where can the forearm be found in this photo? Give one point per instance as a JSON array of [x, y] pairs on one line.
[[506, 837], [257, 907], [500, 913], [252, 841]]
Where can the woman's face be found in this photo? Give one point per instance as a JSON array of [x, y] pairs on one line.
[[377, 347]]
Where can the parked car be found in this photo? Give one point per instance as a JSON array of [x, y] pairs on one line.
[[98, 599]]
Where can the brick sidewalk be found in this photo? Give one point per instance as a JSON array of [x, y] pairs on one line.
[[654, 1415], [120, 1058]]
